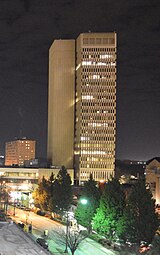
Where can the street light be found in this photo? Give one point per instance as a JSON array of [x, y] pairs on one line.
[[67, 229], [14, 208], [83, 201]]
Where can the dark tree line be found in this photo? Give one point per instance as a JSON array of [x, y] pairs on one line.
[[117, 216], [109, 211], [55, 194]]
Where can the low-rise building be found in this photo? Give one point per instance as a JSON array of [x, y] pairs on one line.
[[19, 150], [153, 177], [22, 181]]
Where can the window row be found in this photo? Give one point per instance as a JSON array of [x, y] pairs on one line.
[[99, 49], [98, 70]]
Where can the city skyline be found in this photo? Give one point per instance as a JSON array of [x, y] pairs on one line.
[[27, 32]]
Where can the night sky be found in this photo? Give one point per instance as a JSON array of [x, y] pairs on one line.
[[27, 30]]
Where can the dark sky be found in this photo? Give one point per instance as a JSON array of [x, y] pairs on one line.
[[27, 30]]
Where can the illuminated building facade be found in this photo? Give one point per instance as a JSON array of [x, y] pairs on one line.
[[16, 152], [95, 105], [61, 103], [153, 177], [22, 180], [94, 100]]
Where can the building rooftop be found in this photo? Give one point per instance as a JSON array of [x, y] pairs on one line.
[[14, 241], [155, 158]]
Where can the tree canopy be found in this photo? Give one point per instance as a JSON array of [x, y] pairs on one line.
[[85, 212], [41, 195], [111, 207], [54, 194], [141, 221], [132, 218], [61, 193]]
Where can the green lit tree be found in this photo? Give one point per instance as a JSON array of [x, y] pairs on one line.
[[110, 211], [141, 221], [85, 212], [61, 192]]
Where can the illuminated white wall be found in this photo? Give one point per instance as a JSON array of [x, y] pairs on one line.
[[61, 103]]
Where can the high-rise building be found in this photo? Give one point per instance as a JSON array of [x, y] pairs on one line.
[[17, 151], [82, 105], [61, 103]]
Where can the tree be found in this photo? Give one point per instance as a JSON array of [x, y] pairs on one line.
[[85, 212], [155, 248], [74, 238], [141, 221], [41, 195], [110, 211], [61, 193]]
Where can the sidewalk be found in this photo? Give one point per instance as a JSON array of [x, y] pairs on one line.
[[13, 241], [54, 248]]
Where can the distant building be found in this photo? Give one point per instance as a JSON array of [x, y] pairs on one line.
[[1, 160], [37, 162], [82, 105], [129, 170], [153, 177], [17, 151]]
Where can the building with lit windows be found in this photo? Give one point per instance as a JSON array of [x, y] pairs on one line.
[[17, 151], [22, 181], [153, 177], [82, 105]]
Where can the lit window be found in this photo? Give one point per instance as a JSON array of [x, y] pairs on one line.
[[95, 124], [104, 56], [101, 64], [87, 97], [95, 76], [76, 152], [86, 63], [83, 138]]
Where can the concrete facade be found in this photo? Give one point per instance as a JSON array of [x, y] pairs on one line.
[[153, 178], [61, 103], [16, 152], [95, 106], [82, 105]]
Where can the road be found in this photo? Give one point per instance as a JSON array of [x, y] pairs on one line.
[[41, 223]]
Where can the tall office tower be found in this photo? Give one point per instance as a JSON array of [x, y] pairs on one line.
[[94, 119], [95, 105], [16, 152], [61, 103]]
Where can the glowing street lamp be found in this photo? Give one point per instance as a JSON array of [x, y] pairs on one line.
[[83, 201]]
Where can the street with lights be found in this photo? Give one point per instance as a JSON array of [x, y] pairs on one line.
[[41, 223]]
